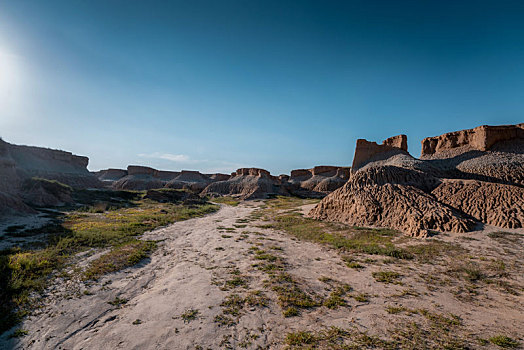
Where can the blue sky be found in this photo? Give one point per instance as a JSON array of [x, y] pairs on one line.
[[216, 85]]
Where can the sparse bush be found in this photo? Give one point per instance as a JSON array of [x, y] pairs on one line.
[[189, 315], [300, 338], [504, 341], [386, 276]]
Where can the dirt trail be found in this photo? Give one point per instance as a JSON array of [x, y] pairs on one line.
[[183, 274], [190, 270]]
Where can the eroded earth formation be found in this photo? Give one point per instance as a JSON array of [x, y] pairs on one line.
[[24, 171], [245, 183], [462, 180]]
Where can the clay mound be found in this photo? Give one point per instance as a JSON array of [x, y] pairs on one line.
[[388, 187], [389, 174], [62, 166], [316, 182], [495, 204], [192, 176], [182, 185], [246, 183], [111, 174], [40, 159], [13, 204], [140, 170], [329, 184], [396, 205], [140, 178], [191, 180], [146, 178], [218, 177], [503, 163], [134, 183], [45, 193]]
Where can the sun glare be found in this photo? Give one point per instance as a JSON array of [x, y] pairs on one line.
[[9, 72]]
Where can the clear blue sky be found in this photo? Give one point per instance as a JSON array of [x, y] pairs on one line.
[[215, 85]]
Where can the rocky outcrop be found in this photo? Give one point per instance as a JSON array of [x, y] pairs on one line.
[[134, 183], [317, 181], [481, 138], [192, 180], [218, 177], [502, 163], [21, 166], [399, 141], [244, 182], [247, 183], [251, 172], [140, 178], [367, 151], [468, 178], [111, 174], [146, 178]]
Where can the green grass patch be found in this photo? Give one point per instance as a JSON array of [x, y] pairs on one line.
[[25, 271], [504, 341], [335, 299], [257, 298], [433, 331], [290, 312], [236, 282], [386, 276], [190, 315], [226, 200], [367, 241], [121, 256], [118, 301], [395, 309], [361, 297]]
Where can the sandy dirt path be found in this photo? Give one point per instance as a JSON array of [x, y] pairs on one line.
[[186, 272], [190, 270]]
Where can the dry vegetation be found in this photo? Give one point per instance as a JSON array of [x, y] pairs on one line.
[[441, 264], [107, 219]]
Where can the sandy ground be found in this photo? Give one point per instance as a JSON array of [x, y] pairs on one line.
[[188, 271]]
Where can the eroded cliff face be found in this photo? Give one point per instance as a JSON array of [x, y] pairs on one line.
[[138, 177], [317, 181], [247, 183], [367, 151], [20, 164], [111, 174], [481, 138], [465, 178]]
